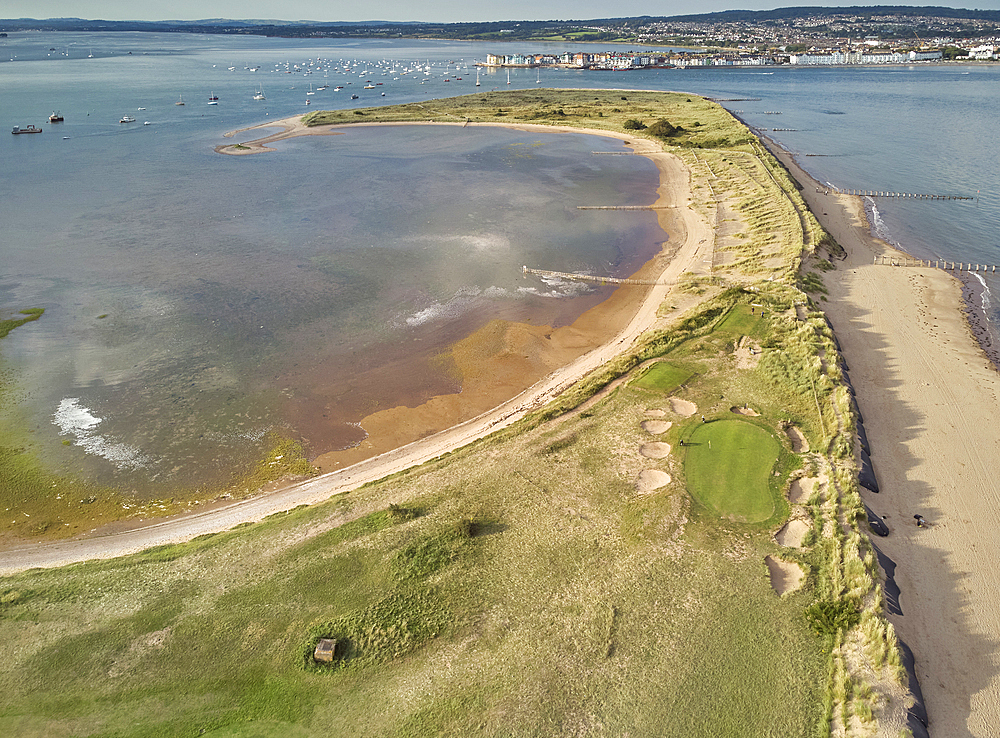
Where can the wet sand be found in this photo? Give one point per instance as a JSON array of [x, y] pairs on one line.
[[929, 397]]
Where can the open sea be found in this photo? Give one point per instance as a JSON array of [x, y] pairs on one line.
[[196, 301]]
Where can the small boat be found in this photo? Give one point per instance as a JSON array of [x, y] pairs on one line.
[[55, 118], [213, 98], [180, 100], [354, 97], [145, 122], [26, 129], [259, 95], [127, 119]]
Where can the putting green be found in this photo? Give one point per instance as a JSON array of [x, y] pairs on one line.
[[728, 465], [663, 376]]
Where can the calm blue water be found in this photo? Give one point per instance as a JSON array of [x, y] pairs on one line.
[[290, 290]]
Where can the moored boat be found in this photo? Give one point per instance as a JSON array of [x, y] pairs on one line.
[[55, 118], [26, 129], [127, 119]]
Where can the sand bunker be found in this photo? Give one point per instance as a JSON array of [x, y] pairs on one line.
[[656, 427], [801, 490], [792, 533], [655, 450], [799, 443], [651, 479], [682, 407], [749, 411], [655, 413], [747, 353], [786, 576]]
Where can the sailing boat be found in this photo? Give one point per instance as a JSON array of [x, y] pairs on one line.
[[538, 75], [180, 100], [508, 76], [477, 76], [260, 93], [213, 99]]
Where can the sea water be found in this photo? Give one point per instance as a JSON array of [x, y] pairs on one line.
[[195, 301]]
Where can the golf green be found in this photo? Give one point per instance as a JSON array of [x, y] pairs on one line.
[[728, 464]]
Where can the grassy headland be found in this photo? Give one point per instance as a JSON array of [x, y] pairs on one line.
[[555, 578]]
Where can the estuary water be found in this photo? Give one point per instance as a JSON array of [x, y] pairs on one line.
[[196, 301]]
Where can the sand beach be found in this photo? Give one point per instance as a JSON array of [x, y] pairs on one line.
[[929, 398]]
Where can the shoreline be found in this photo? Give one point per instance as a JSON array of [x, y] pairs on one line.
[[929, 395], [972, 290], [635, 315]]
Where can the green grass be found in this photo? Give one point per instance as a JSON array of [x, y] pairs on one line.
[[744, 320], [518, 588], [664, 377], [728, 464]]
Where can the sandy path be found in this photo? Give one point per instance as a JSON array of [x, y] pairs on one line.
[[929, 399], [674, 192]]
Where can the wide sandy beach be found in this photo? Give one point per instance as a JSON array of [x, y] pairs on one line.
[[929, 399]]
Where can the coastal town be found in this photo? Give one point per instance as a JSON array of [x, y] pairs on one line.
[[626, 60]]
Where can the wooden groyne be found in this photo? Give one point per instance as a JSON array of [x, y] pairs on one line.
[[613, 153], [583, 277], [951, 266], [884, 193], [623, 207]]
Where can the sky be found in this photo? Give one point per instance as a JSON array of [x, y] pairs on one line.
[[445, 11]]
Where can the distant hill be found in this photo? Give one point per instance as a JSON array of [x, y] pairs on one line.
[[885, 20]]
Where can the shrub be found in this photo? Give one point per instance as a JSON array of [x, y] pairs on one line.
[[827, 617], [633, 125], [663, 129]]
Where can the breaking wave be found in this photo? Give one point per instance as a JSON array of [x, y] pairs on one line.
[[73, 419]]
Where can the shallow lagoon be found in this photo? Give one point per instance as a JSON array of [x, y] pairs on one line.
[[195, 301]]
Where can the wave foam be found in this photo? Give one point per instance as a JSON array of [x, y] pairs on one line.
[[74, 419]]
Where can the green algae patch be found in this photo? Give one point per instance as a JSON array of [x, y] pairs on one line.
[[9, 324]]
